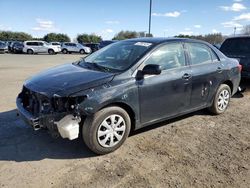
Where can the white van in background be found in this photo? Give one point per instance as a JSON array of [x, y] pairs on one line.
[[31, 47]]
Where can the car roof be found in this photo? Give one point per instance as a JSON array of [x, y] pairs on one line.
[[239, 37], [158, 40], [91, 43]]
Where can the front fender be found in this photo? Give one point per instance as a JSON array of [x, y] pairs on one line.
[[97, 98]]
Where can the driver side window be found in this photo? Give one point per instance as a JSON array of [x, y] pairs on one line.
[[168, 56]]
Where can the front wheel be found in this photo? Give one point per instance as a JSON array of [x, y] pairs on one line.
[[107, 130], [64, 51], [29, 51], [221, 100]]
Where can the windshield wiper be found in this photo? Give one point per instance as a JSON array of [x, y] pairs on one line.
[[102, 68], [94, 65]]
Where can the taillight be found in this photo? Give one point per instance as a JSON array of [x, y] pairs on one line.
[[240, 67]]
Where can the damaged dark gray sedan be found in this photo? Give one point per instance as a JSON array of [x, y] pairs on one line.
[[126, 86]]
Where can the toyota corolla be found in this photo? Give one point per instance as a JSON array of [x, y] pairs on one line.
[[126, 86]]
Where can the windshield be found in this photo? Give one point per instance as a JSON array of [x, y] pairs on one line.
[[118, 56]]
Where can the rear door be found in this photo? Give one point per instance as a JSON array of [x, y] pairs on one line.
[[206, 73], [42, 47], [239, 48]]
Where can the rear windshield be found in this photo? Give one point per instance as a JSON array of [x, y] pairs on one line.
[[237, 46]]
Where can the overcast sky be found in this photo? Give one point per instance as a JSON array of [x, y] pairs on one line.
[[107, 17]]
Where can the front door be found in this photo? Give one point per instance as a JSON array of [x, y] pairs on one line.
[[167, 94]]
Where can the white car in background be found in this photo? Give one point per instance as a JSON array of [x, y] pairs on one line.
[[31, 47], [68, 47]]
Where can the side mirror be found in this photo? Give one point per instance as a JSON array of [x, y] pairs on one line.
[[151, 69]]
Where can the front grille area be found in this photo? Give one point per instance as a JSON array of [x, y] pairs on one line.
[[35, 103]]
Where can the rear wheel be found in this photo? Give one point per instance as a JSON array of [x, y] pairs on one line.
[[221, 100], [82, 51], [107, 130], [51, 52], [29, 51]]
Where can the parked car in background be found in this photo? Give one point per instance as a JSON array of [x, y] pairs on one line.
[[94, 46], [106, 43], [3, 47], [128, 85], [69, 47], [57, 44], [9, 45], [239, 48], [18, 47], [31, 47]]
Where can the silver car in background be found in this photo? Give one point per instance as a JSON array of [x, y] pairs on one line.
[[31, 47], [68, 47]]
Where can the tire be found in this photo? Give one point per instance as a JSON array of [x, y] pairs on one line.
[[82, 51], [93, 130], [64, 51], [29, 51], [51, 52], [221, 100]]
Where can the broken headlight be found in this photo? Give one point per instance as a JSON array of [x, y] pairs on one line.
[[63, 104]]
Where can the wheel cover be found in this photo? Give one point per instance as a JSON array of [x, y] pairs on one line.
[[223, 100], [111, 131]]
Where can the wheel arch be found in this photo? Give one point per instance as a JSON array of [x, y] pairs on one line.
[[230, 84], [30, 49], [127, 108]]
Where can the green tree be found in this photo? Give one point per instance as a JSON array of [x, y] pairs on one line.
[[214, 38], [86, 38], [56, 37], [18, 36], [246, 30], [122, 35]]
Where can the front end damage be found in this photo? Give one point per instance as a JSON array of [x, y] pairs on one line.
[[60, 115]]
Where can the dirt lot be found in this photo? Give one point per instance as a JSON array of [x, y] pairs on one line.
[[196, 150]]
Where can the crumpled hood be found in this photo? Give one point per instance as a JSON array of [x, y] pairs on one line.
[[66, 79]]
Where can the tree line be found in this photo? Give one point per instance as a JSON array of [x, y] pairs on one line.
[[93, 38]]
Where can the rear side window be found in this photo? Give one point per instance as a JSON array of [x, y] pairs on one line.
[[32, 43], [168, 56], [236, 46], [199, 53]]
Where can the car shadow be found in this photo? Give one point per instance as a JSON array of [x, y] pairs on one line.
[[169, 122], [19, 142], [245, 87]]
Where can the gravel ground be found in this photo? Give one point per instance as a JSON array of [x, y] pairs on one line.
[[196, 150]]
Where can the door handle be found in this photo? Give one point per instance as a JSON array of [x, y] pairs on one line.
[[219, 69], [186, 76]]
